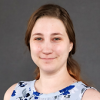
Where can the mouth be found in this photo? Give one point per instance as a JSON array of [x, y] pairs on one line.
[[47, 59]]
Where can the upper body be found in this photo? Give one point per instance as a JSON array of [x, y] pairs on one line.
[[51, 40], [25, 90]]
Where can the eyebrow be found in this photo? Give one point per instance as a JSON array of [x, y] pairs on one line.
[[42, 34], [37, 34], [56, 34]]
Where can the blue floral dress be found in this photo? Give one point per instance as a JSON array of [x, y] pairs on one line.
[[25, 90]]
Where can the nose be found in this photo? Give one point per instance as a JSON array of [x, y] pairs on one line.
[[47, 48]]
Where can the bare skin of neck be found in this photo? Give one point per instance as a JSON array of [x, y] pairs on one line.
[[53, 82]]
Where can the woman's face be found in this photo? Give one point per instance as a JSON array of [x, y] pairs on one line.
[[49, 44]]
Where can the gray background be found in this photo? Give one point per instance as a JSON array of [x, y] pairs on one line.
[[15, 60]]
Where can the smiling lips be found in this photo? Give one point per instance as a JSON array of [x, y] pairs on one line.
[[47, 58]]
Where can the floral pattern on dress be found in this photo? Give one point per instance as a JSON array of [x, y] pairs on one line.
[[26, 91]]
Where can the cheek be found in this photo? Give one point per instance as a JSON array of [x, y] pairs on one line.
[[35, 49], [61, 49], [58, 49]]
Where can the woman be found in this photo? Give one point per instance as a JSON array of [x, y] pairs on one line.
[[51, 40]]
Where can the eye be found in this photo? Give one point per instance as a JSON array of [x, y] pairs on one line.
[[38, 39], [56, 39]]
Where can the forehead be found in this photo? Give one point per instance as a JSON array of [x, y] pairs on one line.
[[48, 25]]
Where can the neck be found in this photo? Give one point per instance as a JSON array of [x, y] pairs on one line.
[[53, 82]]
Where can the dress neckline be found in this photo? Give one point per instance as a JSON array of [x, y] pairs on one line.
[[59, 92]]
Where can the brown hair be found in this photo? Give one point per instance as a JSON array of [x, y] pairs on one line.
[[52, 10]]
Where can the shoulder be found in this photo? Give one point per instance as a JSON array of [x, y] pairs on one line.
[[85, 92], [8, 93], [91, 94], [18, 90]]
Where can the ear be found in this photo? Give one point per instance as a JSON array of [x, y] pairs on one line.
[[71, 46]]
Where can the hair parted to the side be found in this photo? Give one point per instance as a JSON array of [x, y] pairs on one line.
[[52, 10]]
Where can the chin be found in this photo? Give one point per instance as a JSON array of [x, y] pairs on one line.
[[48, 70]]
